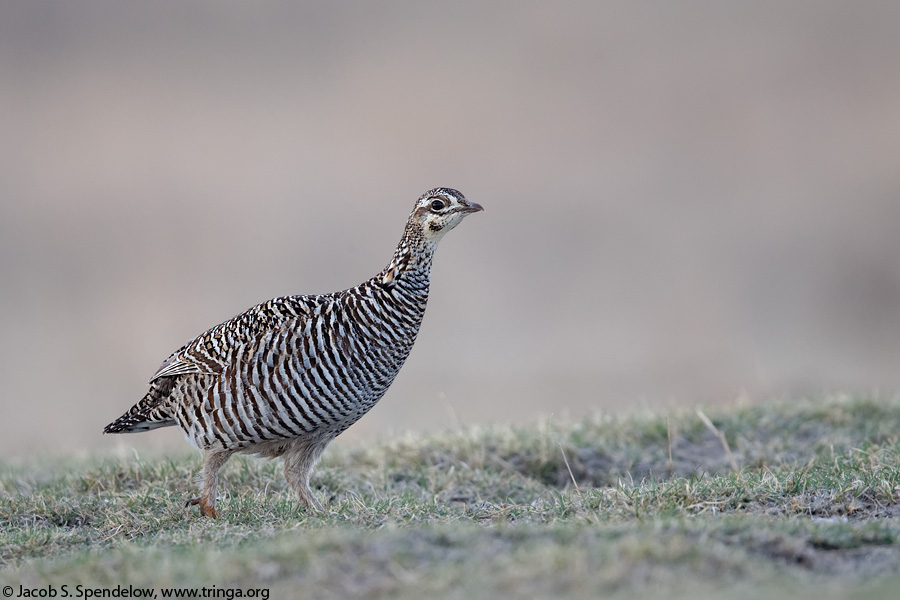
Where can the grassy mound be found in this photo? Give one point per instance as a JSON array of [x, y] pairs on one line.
[[758, 500]]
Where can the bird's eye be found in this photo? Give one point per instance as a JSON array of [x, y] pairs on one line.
[[437, 205]]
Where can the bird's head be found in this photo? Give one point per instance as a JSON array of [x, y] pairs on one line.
[[439, 210]]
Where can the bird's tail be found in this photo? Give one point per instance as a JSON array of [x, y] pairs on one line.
[[149, 413]]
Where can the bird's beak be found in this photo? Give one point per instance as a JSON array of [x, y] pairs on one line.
[[473, 207]]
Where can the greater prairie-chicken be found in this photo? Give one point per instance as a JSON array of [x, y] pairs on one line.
[[287, 376]]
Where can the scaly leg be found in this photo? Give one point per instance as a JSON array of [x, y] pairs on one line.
[[299, 461], [208, 478]]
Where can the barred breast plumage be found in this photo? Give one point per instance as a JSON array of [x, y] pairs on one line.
[[287, 376]]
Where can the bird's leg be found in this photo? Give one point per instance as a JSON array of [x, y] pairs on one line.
[[208, 478], [299, 460]]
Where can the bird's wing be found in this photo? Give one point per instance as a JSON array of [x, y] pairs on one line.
[[212, 351], [181, 362]]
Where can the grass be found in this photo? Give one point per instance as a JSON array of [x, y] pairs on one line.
[[761, 501]]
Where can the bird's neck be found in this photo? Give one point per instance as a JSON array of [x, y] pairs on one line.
[[411, 263]]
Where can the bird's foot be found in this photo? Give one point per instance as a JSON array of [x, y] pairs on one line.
[[310, 502], [206, 509]]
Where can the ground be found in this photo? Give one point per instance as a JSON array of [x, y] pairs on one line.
[[767, 500]]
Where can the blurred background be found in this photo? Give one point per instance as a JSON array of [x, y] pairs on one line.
[[685, 202]]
